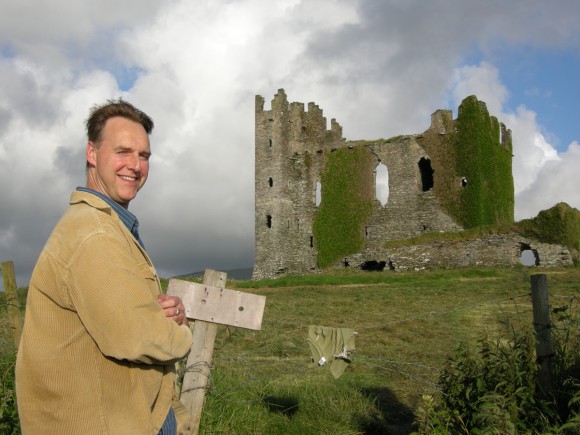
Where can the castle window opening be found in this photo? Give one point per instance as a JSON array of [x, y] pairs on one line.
[[318, 193], [298, 224], [270, 142], [269, 221], [312, 241], [426, 174], [382, 183], [464, 182], [528, 256], [270, 182]]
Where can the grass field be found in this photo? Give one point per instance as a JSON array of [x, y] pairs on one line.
[[407, 324]]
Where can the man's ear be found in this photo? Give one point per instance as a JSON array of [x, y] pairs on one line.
[[91, 153]]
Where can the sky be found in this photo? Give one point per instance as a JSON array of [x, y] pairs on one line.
[[379, 67]]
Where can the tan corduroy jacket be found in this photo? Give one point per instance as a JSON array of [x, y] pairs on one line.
[[97, 353]]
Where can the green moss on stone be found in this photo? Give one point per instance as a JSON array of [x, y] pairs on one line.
[[346, 204], [488, 198], [559, 224]]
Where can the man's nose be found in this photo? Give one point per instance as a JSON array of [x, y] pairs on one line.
[[134, 162]]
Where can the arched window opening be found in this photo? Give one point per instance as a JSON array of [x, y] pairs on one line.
[[382, 183], [318, 194], [269, 221], [426, 174], [270, 142], [463, 181], [528, 256], [312, 241], [270, 182]]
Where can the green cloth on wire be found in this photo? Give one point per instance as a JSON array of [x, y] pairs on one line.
[[333, 344]]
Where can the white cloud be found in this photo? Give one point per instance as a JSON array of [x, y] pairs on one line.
[[556, 181], [531, 148], [483, 81]]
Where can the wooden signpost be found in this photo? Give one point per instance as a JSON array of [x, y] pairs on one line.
[[210, 304]]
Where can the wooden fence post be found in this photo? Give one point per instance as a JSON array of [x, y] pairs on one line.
[[11, 293], [210, 304], [199, 359], [543, 328]]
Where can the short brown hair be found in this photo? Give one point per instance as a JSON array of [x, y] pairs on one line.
[[99, 114]]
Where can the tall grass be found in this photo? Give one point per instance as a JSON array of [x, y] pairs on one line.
[[8, 413]]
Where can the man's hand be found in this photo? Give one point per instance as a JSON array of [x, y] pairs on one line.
[[173, 308]]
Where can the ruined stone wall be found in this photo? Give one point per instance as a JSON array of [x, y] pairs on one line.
[[495, 250], [410, 211]]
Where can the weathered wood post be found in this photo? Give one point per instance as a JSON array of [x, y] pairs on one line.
[[543, 328], [10, 290], [209, 304]]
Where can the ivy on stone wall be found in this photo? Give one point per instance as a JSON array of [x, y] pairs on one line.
[[346, 204], [486, 165], [559, 224]]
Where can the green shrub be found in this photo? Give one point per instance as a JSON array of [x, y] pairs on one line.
[[494, 386]]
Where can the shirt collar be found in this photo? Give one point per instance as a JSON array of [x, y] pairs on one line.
[[128, 218]]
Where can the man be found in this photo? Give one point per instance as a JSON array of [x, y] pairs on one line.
[[100, 341]]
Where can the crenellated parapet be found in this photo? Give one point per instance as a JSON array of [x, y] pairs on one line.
[[300, 131]]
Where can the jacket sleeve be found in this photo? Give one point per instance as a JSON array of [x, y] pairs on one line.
[[114, 295]]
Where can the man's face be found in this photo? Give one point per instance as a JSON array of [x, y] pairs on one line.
[[120, 160]]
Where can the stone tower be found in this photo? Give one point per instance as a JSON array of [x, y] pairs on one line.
[[290, 144]]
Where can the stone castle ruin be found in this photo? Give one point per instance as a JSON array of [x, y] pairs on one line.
[[321, 200]]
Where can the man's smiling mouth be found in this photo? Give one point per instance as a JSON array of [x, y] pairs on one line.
[[127, 178]]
